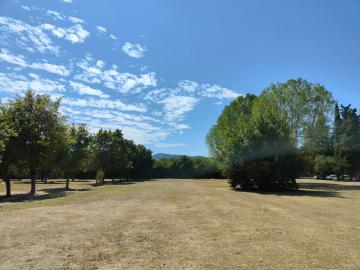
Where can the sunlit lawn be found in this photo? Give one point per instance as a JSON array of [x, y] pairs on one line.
[[181, 224]]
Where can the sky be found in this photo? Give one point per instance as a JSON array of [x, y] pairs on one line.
[[163, 70]]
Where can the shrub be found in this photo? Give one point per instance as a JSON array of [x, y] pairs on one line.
[[100, 177]]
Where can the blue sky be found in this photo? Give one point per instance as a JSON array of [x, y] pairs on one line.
[[163, 70]]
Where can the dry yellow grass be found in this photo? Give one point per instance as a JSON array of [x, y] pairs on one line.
[[182, 224]]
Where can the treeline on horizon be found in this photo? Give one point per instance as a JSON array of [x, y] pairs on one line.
[[291, 129], [37, 143]]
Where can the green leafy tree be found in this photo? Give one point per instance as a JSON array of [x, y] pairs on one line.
[[37, 123], [305, 104], [76, 152], [7, 154], [318, 139], [324, 165], [348, 139], [233, 126], [141, 161], [253, 139], [109, 153]]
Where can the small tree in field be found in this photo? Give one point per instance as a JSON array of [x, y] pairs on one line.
[[109, 153], [38, 125], [7, 152], [76, 151]]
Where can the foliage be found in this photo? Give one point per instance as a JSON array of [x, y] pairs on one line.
[[187, 167], [39, 127], [324, 165], [263, 155], [307, 106], [347, 139]]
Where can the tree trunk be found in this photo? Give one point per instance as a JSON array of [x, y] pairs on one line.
[[33, 183], [8, 186], [73, 179], [67, 184]]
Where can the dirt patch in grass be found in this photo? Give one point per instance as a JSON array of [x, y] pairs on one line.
[[183, 224]]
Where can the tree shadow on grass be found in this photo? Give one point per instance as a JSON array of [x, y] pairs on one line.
[[304, 193], [49, 193], [124, 182], [313, 190], [330, 186]]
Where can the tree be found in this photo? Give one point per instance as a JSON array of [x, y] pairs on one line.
[[37, 123], [109, 153], [6, 147], [76, 151], [337, 125], [252, 138], [187, 167], [141, 161], [348, 139], [305, 104], [232, 126], [317, 138], [324, 165], [183, 167]]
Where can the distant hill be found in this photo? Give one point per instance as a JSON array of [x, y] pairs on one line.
[[163, 155]]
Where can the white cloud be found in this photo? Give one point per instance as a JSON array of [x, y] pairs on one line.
[[19, 60], [18, 34], [75, 20], [176, 106], [161, 145], [207, 90], [56, 69], [104, 104], [134, 50], [56, 15], [101, 29], [83, 89], [188, 86], [74, 34], [182, 126], [113, 36], [12, 59], [216, 91], [67, 1], [93, 72], [13, 83], [25, 8]]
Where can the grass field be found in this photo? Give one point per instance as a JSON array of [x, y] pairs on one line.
[[181, 224]]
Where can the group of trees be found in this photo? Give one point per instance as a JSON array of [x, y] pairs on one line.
[[341, 153], [266, 141], [187, 167], [36, 141]]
